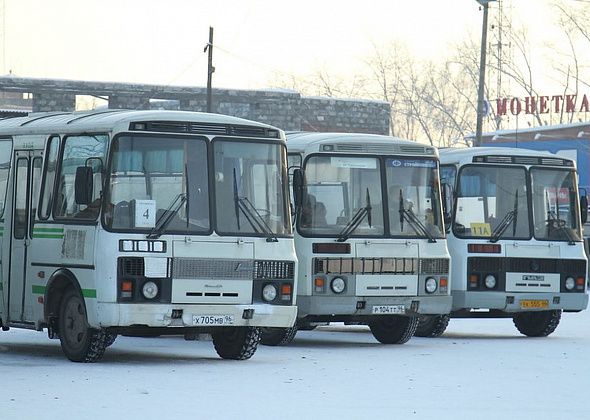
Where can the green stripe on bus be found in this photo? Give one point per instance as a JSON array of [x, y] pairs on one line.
[[44, 229], [47, 235], [38, 290], [87, 293]]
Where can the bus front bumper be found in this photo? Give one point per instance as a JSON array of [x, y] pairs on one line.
[[519, 302], [370, 305], [167, 315]]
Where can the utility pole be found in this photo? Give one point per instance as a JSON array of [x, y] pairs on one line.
[[482, 69], [210, 70]]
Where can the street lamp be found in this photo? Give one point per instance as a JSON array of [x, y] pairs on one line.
[[482, 70]]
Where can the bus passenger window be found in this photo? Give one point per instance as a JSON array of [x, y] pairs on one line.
[[80, 151]]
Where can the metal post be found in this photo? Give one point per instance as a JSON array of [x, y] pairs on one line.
[[482, 69], [210, 70]]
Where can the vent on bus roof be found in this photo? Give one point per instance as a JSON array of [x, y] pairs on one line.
[[379, 148], [524, 160], [413, 149], [204, 128]]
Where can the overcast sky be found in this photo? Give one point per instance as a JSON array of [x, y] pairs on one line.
[[162, 42]]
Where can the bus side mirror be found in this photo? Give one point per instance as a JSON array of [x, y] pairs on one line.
[[447, 202], [584, 208], [83, 185], [298, 186]]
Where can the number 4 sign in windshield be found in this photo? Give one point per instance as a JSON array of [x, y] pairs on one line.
[[145, 213]]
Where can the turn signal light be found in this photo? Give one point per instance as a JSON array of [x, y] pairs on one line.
[[443, 282], [580, 281], [126, 289]]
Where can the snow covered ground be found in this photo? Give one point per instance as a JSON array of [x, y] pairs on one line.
[[482, 369]]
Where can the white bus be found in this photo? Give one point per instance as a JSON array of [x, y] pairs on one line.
[[515, 238], [369, 234], [144, 223]]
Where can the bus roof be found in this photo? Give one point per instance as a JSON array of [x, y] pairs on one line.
[[309, 142], [186, 122], [501, 155]]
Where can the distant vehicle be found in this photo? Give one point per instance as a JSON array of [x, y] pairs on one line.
[[369, 234], [515, 238], [144, 223]]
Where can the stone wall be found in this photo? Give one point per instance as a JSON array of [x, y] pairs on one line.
[[285, 109]]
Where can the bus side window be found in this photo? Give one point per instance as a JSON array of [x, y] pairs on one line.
[[84, 150], [47, 186], [5, 155]]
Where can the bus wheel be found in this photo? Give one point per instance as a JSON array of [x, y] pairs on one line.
[[237, 343], [537, 324], [110, 339], [432, 325], [394, 329], [277, 336], [79, 342]]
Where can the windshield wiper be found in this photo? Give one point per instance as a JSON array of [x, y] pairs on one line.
[[510, 218], [356, 220], [252, 215], [166, 217], [412, 219], [556, 222]]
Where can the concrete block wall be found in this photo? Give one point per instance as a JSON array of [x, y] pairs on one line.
[[285, 109]]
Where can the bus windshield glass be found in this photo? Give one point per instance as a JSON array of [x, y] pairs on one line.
[[340, 190], [492, 203], [153, 179], [555, 204], [251, 188], [413, 194]]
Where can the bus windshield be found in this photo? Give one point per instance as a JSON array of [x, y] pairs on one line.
[[161, 184], [555, 204], [251, 188], [413, 197], [346, 197], [340, 188], [492, 203], [150, 176]]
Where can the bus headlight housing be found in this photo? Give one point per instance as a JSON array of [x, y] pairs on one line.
[[570, 283], [269, 292], [149, 290], [431, 285], [490, 281], [338, 285]]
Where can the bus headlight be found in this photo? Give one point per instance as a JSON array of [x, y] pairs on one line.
[[431, 285], [570, 283], [490, 281], [269, 292], [149, 290], [338, 285]]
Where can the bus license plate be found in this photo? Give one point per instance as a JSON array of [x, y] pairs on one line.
[[534, 304], [389, 309], [215, 320]]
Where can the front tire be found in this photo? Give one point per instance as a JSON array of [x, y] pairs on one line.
[[277, 336], [537, 324], [394, 329], [237, 343], [79, 342], [432, 325]]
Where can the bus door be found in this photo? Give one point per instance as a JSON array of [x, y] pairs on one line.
[[27, 177]]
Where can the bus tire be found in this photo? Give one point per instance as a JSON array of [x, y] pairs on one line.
[[537, 324], [394, 329], [237, 343], [79, 342], [277, 336], [432, 325], [110, 339]]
